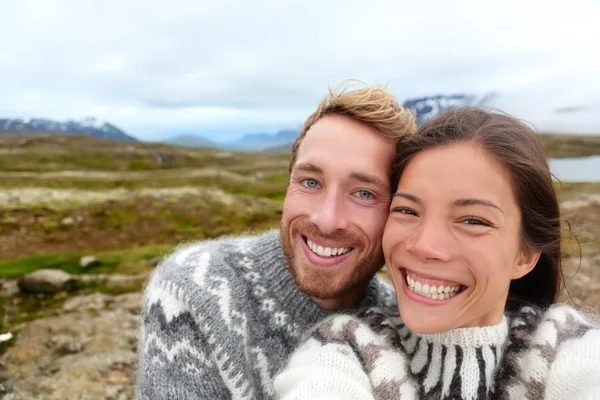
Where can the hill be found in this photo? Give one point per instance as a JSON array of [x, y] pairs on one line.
[[192, 141], [88, 126]]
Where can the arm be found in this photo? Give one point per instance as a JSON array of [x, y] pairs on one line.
[[175, 359], [575, 373], [324, 371]]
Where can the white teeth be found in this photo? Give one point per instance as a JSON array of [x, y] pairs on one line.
[[320, 251], [326, 251], [431, 291]]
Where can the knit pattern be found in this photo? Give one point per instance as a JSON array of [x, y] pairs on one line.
[[531, 354], [220, 319]]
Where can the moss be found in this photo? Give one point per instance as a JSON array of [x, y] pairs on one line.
[[28, 307], [132, 261]]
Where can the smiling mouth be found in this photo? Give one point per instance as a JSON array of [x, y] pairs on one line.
[[429, 288], [326, 252]]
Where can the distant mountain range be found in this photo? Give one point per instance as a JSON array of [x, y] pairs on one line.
[[281, 141], [88, 126]]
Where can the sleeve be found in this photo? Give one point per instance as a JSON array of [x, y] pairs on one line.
[[324, 371], [175, 358], [575, 373]]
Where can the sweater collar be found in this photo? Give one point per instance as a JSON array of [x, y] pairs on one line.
[[480, 336]]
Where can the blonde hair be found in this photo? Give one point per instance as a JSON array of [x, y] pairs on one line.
[[372, 105]]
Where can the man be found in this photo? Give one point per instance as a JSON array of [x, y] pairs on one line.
[[220, 318]]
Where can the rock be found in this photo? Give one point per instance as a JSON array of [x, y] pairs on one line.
[[88, 261], [46, 281], [95, 301], [9, 289], [68, 221]]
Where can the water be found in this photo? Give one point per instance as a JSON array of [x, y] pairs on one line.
[[581, 169]]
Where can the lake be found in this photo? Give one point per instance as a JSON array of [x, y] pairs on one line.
[[581, 169]]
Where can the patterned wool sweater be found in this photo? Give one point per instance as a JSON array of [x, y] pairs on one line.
[[220, 319], [531, 354]]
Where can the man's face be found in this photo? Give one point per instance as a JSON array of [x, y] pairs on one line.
[[336, 208]]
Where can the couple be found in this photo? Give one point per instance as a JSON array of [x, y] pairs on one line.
[[464, 215]]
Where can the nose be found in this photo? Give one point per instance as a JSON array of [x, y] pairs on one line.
[[330, 213], [430, 241]]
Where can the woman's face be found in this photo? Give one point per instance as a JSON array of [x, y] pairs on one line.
[[452, 241]]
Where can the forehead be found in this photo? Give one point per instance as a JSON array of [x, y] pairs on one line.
[[340, 143], [458, 171]]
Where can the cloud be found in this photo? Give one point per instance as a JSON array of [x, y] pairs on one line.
[[238, 66]]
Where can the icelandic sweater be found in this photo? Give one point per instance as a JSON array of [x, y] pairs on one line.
[[220, 319], [531, 354]]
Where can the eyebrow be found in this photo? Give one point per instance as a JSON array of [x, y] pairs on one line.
[[457, 203], [474, 202], [309, 167], [368, 179], [407, 196]]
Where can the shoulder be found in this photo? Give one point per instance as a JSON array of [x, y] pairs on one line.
[[222, 256], [189, 274], [575, 368], [375, 325], [569, 322]]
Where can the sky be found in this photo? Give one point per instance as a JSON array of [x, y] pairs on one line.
[[157, 69]]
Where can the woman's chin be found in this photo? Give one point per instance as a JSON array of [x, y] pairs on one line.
[[424, 324]]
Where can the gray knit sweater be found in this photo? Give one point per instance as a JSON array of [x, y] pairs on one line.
[[220, 319]]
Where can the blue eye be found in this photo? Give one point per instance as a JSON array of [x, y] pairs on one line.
[[310, 183], [364, 194]]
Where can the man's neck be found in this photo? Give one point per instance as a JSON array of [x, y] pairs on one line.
[[345, 301]]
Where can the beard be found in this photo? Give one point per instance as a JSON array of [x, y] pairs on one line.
[[329, 284]]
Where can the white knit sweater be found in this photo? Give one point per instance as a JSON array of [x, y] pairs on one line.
[[531, 354]]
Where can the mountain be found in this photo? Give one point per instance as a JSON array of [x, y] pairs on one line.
[[428, 107], [192, 141], [261, 141], [88, 126]]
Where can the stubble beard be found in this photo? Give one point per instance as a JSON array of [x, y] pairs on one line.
[[318, 283]]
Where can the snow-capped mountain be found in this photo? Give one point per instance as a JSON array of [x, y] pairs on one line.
[[87, 126], [428, 107]]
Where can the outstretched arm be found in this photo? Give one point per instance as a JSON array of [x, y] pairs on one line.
[[175, 358]]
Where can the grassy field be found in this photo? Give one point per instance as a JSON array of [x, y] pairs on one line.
[[561, 145]]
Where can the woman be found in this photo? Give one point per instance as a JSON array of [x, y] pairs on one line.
[[472, 245]]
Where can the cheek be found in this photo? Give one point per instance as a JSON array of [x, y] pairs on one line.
[[371, 220], [296, 203], [394, 236]]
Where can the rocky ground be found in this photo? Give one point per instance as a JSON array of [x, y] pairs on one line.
[[74, 344]]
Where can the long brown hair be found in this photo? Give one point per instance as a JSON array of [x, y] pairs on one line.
[[518, 148]]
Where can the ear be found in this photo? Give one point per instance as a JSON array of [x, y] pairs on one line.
[[526, 262]]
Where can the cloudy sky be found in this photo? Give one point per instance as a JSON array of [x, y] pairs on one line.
[[222, 68]]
